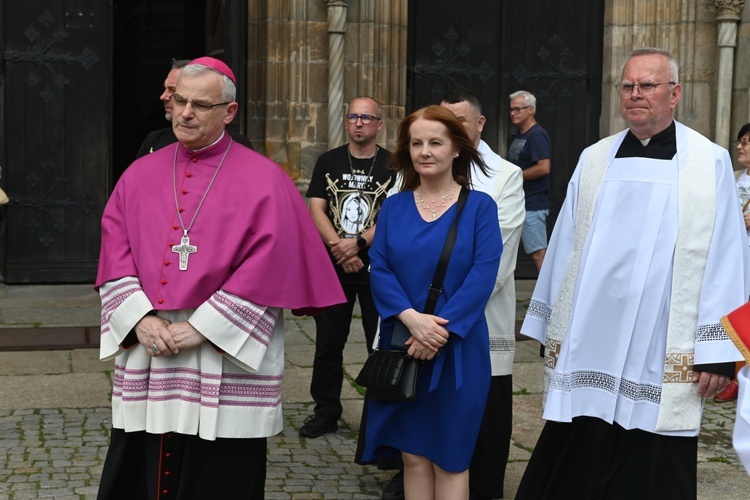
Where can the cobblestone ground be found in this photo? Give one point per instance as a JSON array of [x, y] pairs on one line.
[[52, 453], [59, 454], [715, 442]]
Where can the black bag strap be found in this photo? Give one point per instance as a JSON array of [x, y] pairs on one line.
[[436, 288]]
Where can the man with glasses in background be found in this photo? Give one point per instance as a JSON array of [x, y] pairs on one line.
[[531, 150], [348, 186], [648, 253]]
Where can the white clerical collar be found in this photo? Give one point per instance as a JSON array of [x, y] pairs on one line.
[[217, 140], [645, 141]]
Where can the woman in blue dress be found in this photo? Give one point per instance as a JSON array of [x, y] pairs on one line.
[[435, 434]]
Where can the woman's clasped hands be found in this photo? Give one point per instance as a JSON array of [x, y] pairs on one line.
[[428, 333]]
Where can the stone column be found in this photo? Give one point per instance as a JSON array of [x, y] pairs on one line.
[[336, 31], [727, 19]]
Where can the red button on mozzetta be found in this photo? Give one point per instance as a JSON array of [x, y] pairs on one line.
[[163, 282], [160, 301], [166, 262], [184, 191], [194, 160], [189, 175], [175, 227]]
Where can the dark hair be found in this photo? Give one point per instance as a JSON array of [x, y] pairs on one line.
[[467, 153], [463, 95], [743, 131], [180, 63]]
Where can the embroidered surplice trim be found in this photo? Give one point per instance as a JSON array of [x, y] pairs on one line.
[[194, 386], [255, 320], [590, 379], [678, 368], [539, 310], [114, 297], [502, 344], [711, 332], [246, 389], [551, 352]]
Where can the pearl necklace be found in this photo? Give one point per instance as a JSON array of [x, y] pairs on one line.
[[434, 206]]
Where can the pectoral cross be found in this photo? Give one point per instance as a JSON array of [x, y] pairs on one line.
[[184, 249]]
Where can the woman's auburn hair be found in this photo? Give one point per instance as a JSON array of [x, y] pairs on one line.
[[467, 153]]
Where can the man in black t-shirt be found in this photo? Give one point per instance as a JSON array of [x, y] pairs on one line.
[[347, 188]]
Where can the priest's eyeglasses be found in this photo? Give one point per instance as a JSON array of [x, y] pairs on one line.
[[625, 89], [366, 119], [198, 106]]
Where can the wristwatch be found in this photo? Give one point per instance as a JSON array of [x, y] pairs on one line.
[[361, 241]]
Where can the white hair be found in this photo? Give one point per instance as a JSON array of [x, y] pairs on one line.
[[228, 89], [528, 97], [674, 67]]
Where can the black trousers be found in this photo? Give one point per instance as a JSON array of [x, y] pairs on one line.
[[163, 466], [331, 333], [487, 469], [592, 459]]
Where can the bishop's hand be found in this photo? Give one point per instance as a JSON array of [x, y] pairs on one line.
[[154, 336], [185, 335]]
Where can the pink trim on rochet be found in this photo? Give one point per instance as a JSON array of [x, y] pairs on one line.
[[193, 386]]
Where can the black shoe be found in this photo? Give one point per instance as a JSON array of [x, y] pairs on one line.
[[317, 425], [394, 490]]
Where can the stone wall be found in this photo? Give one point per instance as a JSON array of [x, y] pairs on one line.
[[686, 28], [288, 70], [288, 53], [741, 83]]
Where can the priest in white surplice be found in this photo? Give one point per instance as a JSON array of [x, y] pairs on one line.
[[505, 184], [647, 254]]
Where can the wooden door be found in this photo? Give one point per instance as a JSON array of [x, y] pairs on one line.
[[55, 93], [551, 49]]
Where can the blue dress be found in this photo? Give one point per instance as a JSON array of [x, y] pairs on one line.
[[443, 423]]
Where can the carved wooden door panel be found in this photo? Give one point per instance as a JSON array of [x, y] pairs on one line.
[[55, 88], [551, 49]]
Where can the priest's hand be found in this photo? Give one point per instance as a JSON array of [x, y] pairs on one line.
[[185, 335], [344, 249], [710, 383], [154, 336]]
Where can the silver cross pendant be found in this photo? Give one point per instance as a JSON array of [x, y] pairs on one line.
[[184, 249]]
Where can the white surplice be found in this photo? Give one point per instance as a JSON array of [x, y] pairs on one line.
[[611, 363], [505, 184]]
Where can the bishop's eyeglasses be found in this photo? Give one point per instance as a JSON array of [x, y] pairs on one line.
[[198, 106], [625, 89]]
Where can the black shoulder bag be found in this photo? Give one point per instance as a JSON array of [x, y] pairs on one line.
[[391, 375]]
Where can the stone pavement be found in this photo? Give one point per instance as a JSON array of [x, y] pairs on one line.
[[54, 415]]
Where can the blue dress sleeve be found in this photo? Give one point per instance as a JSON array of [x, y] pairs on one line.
[[464, 307], [390, 297]]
